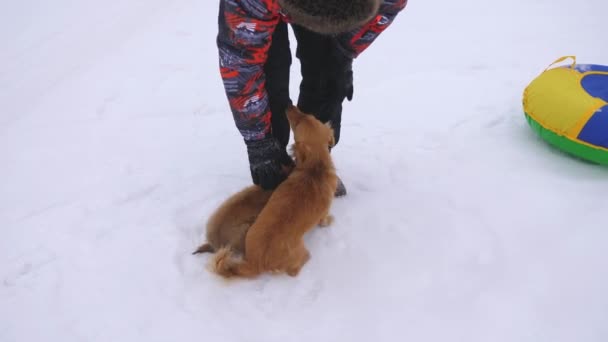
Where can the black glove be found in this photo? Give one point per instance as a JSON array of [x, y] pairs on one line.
[[268, 162]]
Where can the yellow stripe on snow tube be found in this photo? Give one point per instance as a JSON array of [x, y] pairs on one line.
[[568, 107]]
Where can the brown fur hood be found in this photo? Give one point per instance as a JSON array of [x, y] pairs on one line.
[[330, 16]]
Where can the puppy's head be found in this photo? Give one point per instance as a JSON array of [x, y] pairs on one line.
[[312, 138], [308, 129]]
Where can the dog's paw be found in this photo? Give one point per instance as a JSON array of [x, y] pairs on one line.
[[326, 221], [293, 273]]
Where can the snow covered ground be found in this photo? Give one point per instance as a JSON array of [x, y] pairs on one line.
[[461, 225]]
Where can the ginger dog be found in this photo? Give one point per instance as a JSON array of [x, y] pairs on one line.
[[274, 243], [228, 225]]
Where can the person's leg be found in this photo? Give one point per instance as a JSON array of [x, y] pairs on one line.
[[326, 81], [277, 70], [312, 53], [326, 77]]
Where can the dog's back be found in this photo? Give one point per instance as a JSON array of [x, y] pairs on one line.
[[299, 205]]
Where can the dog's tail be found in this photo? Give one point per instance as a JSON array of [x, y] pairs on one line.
[[228, 266], [205, 248]]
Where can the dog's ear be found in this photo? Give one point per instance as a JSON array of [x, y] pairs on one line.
[[332, 137], [293, 116], [301, 152]]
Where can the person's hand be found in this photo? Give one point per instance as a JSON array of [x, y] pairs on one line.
[[269, 162]]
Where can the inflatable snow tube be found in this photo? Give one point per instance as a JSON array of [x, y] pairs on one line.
[[568, 107]]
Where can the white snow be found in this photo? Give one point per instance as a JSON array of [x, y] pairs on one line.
[[116, 143]]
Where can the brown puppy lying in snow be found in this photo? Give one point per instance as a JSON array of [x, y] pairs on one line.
[[228, 225], [274, 243]]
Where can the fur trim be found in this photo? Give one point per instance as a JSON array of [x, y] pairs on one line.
[[330, 16]]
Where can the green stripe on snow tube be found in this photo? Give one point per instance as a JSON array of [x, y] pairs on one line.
[[574, 148]]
